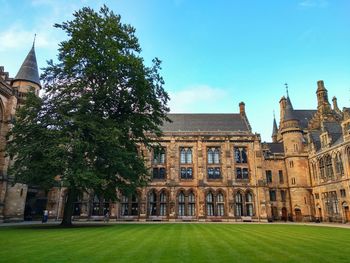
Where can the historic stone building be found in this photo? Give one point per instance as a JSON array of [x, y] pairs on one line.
[[211, 167]]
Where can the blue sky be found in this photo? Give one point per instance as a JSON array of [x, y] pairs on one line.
[[215, 53]]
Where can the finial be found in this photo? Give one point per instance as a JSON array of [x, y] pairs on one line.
[[286, 84], [274, 114], [34, 40]]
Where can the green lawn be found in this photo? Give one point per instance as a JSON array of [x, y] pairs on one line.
[[175, 243]]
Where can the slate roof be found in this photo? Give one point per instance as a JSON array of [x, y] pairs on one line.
[[186, 122], [29, 69], [289, 111], [304, 116], [275, 147]]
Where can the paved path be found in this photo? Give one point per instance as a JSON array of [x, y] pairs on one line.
[[77, 223]]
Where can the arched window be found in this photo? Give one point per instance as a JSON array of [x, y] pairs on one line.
[[339, 165], [210, 204], [238, 204], [152, 203], [220, 204], [163, 203], [191, 207], [322, 168], [249, 204], [329, 167], [181, 204]]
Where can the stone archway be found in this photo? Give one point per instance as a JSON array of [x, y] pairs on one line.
[[298, 215]]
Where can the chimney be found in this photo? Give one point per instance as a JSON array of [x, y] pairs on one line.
[[242, 108], [335, 104], [320, 85]]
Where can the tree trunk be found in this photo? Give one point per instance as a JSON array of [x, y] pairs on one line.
[[68, 207]]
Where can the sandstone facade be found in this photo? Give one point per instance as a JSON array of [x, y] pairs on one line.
[[210, 167]]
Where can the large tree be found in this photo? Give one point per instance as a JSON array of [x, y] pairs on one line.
[[100, 104]]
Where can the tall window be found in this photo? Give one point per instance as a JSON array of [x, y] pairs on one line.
[[249, 203], [220, 204], [283, 195], [215, 204], [322, 168], [280, 175], [159, 155], [186, 204], [329, 167], [130, 205], [240, 155], [159, 169], [185, 155], [268, 176], [186, 170], [213, 171], [191, 207], [214, 155], [272, 195], [339, 165], [210, 204], [163, 203], [181, 204], [99, 206], [152, 203], [238, 204]]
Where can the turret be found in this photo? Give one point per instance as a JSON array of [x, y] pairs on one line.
[[27, 77], [296, 162]]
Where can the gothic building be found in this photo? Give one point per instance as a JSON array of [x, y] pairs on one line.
[[210, 167]]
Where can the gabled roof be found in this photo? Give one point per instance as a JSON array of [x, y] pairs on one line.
[[205, 122], [29, 69]]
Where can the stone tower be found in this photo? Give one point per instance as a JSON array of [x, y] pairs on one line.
[[296, 164], [13, 197]]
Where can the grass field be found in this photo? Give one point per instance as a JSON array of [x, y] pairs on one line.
[[175, 243]]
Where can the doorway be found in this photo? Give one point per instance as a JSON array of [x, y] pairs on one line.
[[298, 215]]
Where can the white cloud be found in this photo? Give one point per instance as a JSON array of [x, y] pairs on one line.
[[17, 37], [198, 98]]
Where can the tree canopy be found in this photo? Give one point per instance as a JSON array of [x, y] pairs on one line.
[[100, 104]]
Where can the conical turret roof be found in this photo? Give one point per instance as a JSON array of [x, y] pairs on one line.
[[289, 111], [29, 69]]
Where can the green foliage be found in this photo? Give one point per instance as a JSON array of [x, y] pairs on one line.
[[100, 104]]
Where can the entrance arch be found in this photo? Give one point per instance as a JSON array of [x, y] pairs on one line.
[[298, 215]]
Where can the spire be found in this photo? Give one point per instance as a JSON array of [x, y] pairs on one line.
[[274, 126], [29, 69]]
